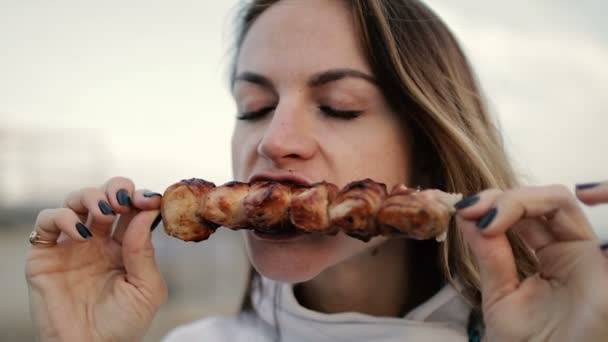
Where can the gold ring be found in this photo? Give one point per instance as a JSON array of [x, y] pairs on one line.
[[36, 240]]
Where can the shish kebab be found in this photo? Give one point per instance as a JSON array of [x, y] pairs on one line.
[[193, 209]]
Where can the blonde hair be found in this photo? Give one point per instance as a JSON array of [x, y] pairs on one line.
[[426, 77]]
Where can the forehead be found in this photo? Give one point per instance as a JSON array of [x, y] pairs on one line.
[[300, 37]]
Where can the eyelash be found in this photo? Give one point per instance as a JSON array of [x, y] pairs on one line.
[[254, 114], [327, 110], [341, 114]]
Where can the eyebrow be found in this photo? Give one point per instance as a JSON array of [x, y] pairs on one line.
[[254, 78], [316, 80], [338, 74]]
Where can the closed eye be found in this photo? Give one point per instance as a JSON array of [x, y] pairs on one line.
[[256, 114], [342, 114]]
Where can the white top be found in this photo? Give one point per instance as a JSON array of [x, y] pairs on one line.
[[441, 318]]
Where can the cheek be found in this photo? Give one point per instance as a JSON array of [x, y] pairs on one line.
[[383, 157], [243, 147], [387, 154]]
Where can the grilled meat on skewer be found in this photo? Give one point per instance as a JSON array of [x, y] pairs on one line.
[[192, 209], [180, 209], [354, 208]]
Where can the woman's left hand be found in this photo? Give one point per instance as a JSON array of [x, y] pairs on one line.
[[568, 299]]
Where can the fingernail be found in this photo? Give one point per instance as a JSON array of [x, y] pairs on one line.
[[604, 246], [83, 230], [149, 194], [105, 208], [156, 222], [466, 202], [123, 197], [585, 186], [485, 221]]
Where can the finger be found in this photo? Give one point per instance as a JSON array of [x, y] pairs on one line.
[[564, 217], [82, 213], [119, 191], [50, 223], [139, 258], [142, 200], [475, 206], [592, 193], [532, 231], [494, 256], [92, 207], [122, 226], [535, 233]]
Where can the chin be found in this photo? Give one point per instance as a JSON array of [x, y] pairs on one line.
[[301, 259], [293, 261], [284, 273]]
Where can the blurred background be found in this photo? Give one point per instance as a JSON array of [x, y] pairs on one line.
[[90, 90]]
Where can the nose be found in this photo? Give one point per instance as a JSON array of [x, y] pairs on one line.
[[289, 136]]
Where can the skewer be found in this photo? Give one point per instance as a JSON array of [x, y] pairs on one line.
[[193, 209]]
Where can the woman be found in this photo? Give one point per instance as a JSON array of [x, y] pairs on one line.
[[339, 91]]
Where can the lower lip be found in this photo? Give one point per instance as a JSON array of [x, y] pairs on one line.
[[288, 236]]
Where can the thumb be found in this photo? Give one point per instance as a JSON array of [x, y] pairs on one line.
[[139, 258], [497, 269]]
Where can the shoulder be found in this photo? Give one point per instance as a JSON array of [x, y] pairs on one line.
[[244, 327]]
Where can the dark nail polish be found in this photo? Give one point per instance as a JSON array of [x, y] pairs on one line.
[[149, 194], [604, 246], [466, 202], [105, 208], [83, 230], [156, 222], [123, 197], [586, 186], [485, 221]]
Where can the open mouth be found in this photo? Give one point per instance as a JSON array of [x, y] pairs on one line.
[[289, 179]]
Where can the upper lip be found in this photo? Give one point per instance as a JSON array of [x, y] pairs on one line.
[[280, 177]]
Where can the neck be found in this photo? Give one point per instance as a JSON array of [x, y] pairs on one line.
[[378, 282]]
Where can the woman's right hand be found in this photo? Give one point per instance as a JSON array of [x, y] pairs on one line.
[[96, 283]]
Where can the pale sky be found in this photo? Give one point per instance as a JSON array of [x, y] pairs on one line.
[[91, 89]]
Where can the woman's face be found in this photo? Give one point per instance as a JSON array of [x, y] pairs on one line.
[[308, 107]]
